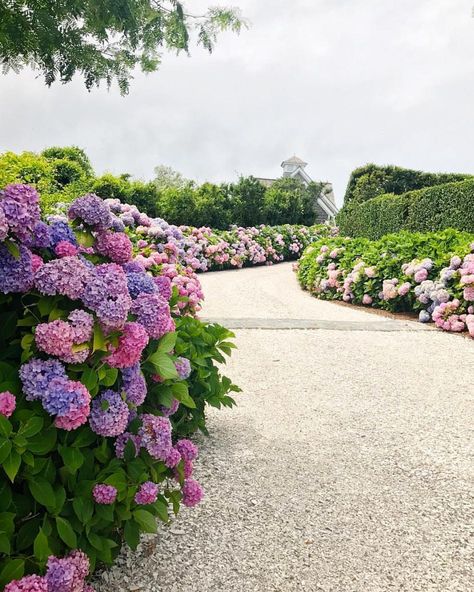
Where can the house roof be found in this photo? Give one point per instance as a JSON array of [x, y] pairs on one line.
[[295, 160]]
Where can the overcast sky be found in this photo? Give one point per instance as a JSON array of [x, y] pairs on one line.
[[338, 82]]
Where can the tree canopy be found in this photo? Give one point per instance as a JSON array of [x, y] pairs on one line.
[[102, 40]]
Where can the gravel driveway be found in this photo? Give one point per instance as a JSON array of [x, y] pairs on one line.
[[348, 465]]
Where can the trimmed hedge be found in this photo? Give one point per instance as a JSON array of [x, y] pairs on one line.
[[370, 181], [431, 209]]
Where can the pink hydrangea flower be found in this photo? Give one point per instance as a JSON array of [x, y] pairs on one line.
[[131, 344], [104, 494], [28, 584], [7, 403], [147, 494], [192, 493], [65, 249]]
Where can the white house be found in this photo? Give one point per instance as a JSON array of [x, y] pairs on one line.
[[294, 168]]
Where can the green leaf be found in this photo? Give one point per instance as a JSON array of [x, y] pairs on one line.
[[164, 365], [41, 547], [27, 533], [146, 520], [167, 343], [84, 509], [99, 343], [89, 379], [31, 427], [5, 448], [72, 457], [161, 508], [13, 249], [5, 426], [13, 570], [42, 491], [46, 305], [181, 393], [105, 512], [110, 377], [43, 442], [84, 437], [132, 534], [5, 495], [5, 546], [11, 465], [66, 532]]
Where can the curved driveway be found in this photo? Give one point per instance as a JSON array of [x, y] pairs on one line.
[[348, 465]]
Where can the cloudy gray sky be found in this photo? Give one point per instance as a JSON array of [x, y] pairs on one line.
[[338, 82]]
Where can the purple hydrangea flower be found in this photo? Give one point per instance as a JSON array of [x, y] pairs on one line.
[[109, 414], [173, 458], [3, 224], [147, 494], [153, 312], [107, 295], [61, 574], [63, 395], [37, 374], [163, 283], [82, 324], [60, 231], [192, 493], [20, 206], [187, 449], [134, 385], [104, 494], [117, 224], [68, 276], [91, 210], [16, 275], [114, 245], [140, 283], [183, 367], [40, 237], [155, 434], [133, 267]]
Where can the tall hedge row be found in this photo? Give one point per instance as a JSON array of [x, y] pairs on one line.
[[63, 174], [371, 180], [427, 210]]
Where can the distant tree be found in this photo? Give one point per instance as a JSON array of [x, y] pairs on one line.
[[166, 177], [213, 206], [247, 199], [177, 205], [72, 153], [102, 40], [289, 201]]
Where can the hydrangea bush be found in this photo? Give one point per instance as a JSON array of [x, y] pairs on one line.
[[103, 370], [431, 274], [182, 251]]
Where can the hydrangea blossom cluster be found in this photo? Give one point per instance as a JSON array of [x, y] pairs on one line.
[[47, 381], [7, 403], [104, 494], [109, 414], [19, 206], [440, 294], [147, 494], [66, 574], [98, 300]]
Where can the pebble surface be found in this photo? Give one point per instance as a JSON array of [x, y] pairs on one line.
[[348, 465]]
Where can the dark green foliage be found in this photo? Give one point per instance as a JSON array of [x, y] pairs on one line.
[[289, 201], [434, 208], [142, 195], [101, 41], [371, 181], [247, 200], [386, 256], [62, 174], [71, 153]]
